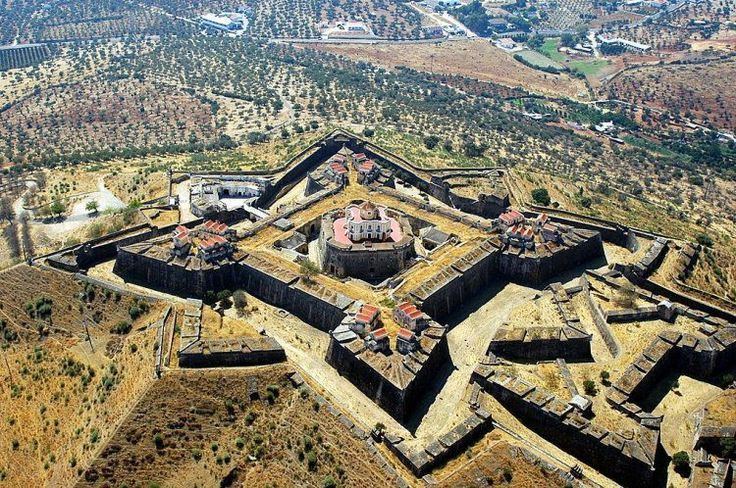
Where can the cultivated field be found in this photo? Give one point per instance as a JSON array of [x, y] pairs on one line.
[[103, 117]]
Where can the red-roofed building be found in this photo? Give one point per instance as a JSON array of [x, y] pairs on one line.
[[510, 218], [337, 172], [377, 340], [409, 316], [367, 319], [214, 247], [368, 171], [551, 233], [359, 157], [406, 341], [181, 240], [216, 228], [519, 235]]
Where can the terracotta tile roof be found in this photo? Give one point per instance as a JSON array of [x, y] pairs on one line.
[[380, 334], [406, 334], [338, 168], [511, 217], [367, 165], [181, 232]]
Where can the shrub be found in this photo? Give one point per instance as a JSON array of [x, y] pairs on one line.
[[196, 454], [681, 462], [368, 132], [134, 312], [589, 387], [239, 299], [430, 142], [239, 443], [250, 418], [541, 196], [329, 482], [605, 377], [311, 460], [159, 441], [626, 296], [704, 239], [122, 327]]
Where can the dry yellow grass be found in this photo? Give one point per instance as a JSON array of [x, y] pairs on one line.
[[473, 58]]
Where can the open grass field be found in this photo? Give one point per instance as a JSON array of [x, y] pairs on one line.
[[473, 58], [539, 60]]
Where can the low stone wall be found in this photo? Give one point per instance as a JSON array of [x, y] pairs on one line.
[[652, 259], [239, 351], [530, 348], [632, 314], [421, 461], [630, 461], [672, 350], [599, 319]]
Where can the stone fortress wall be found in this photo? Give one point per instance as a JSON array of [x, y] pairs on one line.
[[448, 288], [451, 286], [315, 304], [169, 277], [630, 460], [568, 341], [240, 351], [397, 392]]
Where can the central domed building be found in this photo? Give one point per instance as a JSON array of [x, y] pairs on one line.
[[366, 241]]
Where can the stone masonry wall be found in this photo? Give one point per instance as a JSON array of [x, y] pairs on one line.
[[397, 401], [171, 278]]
